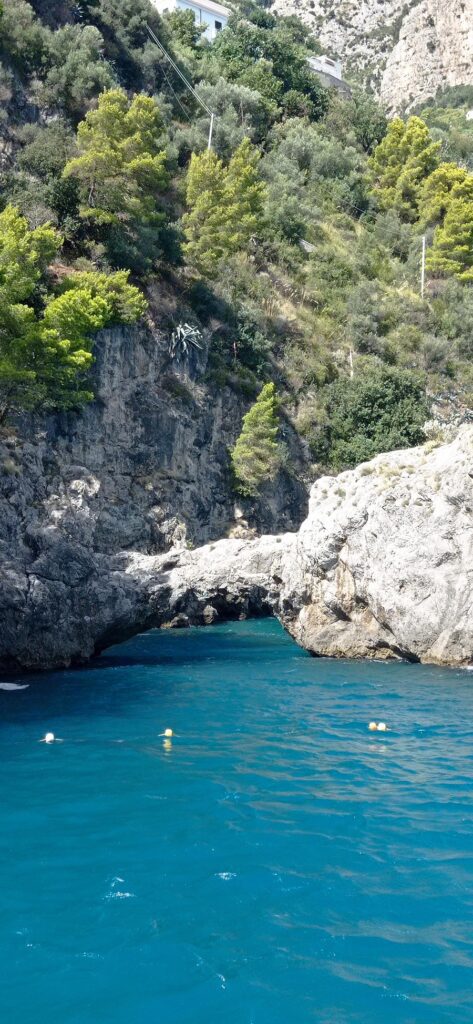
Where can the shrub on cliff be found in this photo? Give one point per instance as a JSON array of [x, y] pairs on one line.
[[380, 409]]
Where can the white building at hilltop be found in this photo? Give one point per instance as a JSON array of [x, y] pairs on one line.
[[206, 12], [329, 71]]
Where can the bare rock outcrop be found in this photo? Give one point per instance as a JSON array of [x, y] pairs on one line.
[[385, 559], [434, 50], [84, 496], [405, 49]]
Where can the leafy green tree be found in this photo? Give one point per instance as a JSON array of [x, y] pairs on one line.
[[256, 455], [452, 250], [240, 112], [183, 28], [23, 39], [400, 164], [270, 58], [355, 121], [124, 303], [369, 120], [24, 256], [77, 71], [127, 46], [447, 182], [378, 410], [121, 170]]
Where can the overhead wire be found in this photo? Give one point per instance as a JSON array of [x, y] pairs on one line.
[[179, 72]]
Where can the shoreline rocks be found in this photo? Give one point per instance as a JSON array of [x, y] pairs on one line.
[[381, 568]]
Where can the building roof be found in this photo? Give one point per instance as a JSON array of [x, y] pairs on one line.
[[209, 5]]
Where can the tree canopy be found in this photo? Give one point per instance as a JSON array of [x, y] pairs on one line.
[[402, 161], [121, 169], [225, 205]]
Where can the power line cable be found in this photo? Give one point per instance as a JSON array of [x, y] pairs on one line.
[[183, 78], [176, 97]]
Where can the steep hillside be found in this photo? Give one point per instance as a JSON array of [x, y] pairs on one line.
[[405, 49], [188, 335]]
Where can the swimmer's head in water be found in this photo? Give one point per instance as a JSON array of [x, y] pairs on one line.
[[373, 726], [49, 738]]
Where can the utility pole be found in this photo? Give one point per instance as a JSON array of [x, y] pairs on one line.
[[422, 276], [211, 130]]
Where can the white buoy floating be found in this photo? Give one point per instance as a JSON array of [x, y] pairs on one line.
[[167, 735], [48, 738]]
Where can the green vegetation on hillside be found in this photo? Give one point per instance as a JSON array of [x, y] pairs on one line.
[[296, 241], [45, 333]]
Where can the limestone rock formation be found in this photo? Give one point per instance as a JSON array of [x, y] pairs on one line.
[[143, 468], [434, 50], [382, 567], [385, 559], [405, 50]]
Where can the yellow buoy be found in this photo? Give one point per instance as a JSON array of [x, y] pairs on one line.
[[373, 726], [168, 733]]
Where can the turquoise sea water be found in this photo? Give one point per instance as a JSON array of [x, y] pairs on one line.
[[277, 865]]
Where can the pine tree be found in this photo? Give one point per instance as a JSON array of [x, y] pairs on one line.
[[121, 170], [447, 182], [401, 163], [256, 455], [46, 340], [244, 194], [224, 206], [204, 221], [452, 250]]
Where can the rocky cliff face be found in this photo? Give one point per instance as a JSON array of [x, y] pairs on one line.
[[406, 49], [382, 567], [143, 468]]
